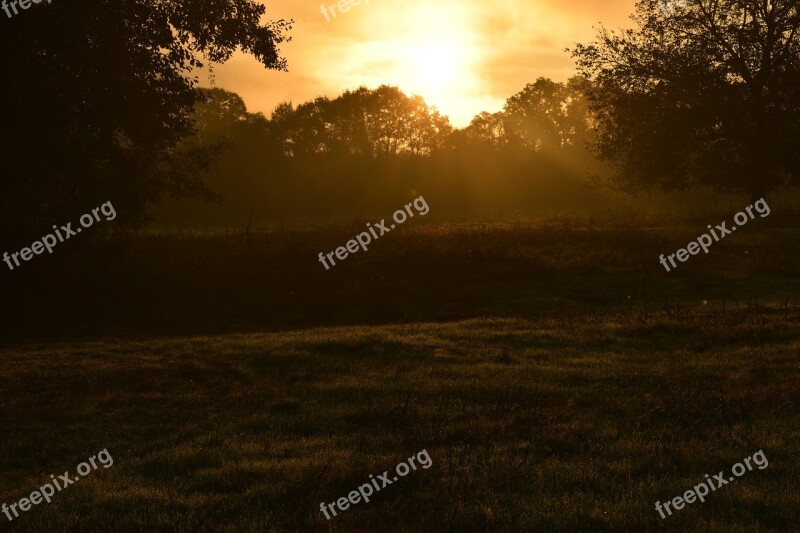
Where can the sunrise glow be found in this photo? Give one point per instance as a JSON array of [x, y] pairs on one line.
[[462, 57]]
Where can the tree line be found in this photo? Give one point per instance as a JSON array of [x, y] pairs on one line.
[[101, 97], [356, 153]]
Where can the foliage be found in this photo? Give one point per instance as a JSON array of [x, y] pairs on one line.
[[545, 116], [373, 123], [99, 101], [368, 149], [708, 92]]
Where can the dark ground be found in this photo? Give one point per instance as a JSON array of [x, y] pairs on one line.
[[558, 377]]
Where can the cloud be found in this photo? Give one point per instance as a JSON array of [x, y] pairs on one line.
[[497, 48]]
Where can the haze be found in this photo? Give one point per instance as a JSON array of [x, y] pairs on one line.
[[463, 58]]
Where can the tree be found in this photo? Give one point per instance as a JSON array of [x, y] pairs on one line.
[[99, 102], [217, 112], [373, 123], [537, 115], [707, 92], [485, 130], [543, 116]]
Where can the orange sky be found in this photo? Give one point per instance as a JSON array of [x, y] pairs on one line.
[[462, 56]]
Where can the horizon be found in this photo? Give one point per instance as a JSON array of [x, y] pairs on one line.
[[470, 68]]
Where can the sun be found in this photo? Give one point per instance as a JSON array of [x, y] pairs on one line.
[[434, 69], [434, 47], [426, 48]]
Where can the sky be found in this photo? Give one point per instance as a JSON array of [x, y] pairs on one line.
[[462, 56]]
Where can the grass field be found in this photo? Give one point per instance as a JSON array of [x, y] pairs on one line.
[[425, 272], [559, 379], [551, 425]]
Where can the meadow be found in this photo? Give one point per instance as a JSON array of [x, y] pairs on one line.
[[184, 283], [532, 425], [522, 333], [558, 379]]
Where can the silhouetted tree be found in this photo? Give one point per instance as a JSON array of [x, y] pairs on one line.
[[363, 152], [217, 113], [536, 115], [486, 130], [707, 92], [373, 123], [349, 122], [579, 123], [544, 116], [98, 99]]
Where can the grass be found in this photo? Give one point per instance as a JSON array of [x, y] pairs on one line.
[[568, 424], [200, 285], [558, 377]]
